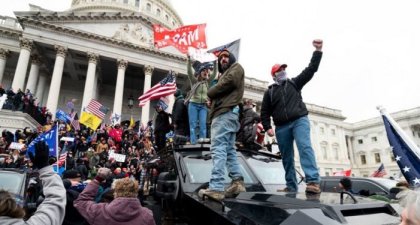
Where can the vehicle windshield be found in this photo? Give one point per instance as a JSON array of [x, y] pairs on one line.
[[199, 170], [268, 170], [12, 182]]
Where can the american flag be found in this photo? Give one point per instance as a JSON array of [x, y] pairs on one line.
[[97, 109], [380, 172], [62, 159], [75, 121], [165, 87], [406, 152]]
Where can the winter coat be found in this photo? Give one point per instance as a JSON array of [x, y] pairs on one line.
[[199, 93], [121, 211], [52, 209], [247, 132], [73, 216], [162, 124], [116, 134], [180, 116], [283, 101], [229, 90]]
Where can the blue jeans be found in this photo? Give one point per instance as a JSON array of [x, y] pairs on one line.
[[223, 152], [298, 130], [197, 115]]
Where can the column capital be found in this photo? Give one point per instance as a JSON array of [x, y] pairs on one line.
[[4, 53], [26, 44], [35, 59], [61, 50], [93, 57], [122, 64], [148, 70]]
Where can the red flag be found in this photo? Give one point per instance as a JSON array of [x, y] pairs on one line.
[[165, 87], [345, 173], [181, 38]]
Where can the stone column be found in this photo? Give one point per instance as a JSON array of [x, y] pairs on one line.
[[3, 57], [145, 111], [22, 65], [88, 93], [40, 89], [96, 86], [56, 79], [119, 87], [33, 74]]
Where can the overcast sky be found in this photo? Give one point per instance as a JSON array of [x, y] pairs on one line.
[[371, 48]]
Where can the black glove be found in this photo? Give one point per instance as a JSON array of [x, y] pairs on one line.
[[40, 160]]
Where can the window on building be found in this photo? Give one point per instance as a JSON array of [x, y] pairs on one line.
[[363, 159], [125, 1], [374, 139], [377, 158], [360, 141], [392, 158], [418, 134], [158, 12], [173, 23], [333, 132], [137, 3], [166, 17], [321, 130], [324, 152], [336, 152], [148, 7]]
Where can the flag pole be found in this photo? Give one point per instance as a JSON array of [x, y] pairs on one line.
[[56, 144]]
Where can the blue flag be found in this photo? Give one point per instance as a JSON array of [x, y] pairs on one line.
[[50, 138], [61, 115], [406, 154]]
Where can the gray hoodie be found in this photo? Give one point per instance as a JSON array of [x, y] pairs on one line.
[[52, 209]]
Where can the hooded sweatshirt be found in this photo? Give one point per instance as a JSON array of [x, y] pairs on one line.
[[229, 90], [121, 211], [52, 209]]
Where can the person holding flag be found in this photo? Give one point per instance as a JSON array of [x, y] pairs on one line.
[[197, 97]]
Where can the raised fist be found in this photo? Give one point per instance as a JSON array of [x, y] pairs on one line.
[[317, 43], [40, 159]]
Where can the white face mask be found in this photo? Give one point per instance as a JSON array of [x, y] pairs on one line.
[[281, 75]]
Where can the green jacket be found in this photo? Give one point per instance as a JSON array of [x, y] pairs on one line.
[[200, 94], [228, 92]]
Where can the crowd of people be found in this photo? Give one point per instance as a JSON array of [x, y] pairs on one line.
[[25, 102]]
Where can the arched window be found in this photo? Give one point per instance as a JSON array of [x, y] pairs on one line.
[[167, 17], [157, 12], [148, 7], [137, 3]]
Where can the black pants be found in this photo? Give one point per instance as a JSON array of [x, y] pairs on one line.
[[160, 140]]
